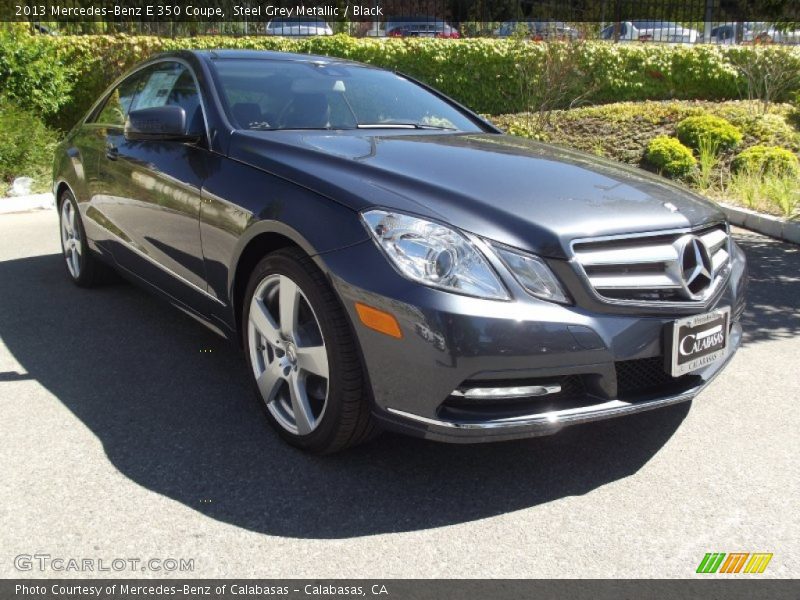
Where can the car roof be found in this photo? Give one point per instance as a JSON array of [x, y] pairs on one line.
[[223, 53], [655, 24]]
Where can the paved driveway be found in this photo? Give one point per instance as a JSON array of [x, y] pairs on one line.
[[128, 430]]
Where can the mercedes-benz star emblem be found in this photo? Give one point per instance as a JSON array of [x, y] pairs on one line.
[[695, 267]]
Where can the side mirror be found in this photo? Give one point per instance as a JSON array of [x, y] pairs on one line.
[[159, 123]]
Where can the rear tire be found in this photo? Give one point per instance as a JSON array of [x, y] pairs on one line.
[[83, 267], [307, 371]]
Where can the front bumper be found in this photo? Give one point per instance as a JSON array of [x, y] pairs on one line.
[[549, 422], [450, 341]]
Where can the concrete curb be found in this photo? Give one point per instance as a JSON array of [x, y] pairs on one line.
[[25, 203], [776, 227]]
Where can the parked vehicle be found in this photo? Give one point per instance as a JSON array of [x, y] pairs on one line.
[[753, 33], [538, 30], [420, 27], [387, 258], [651, 31], [724, 34], [42, 29], [298, 26], [769, 33]]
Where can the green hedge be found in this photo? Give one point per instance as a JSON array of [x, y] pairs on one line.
[[31, 72], [481, 73], [26, 147]]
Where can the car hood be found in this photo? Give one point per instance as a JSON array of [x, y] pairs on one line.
[[526, 194]]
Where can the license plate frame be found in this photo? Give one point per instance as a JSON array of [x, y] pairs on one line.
[[695, 342]]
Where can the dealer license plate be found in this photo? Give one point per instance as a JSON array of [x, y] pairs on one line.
[[695, 342]]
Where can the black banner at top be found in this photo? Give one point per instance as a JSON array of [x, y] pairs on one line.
[[156, 11]]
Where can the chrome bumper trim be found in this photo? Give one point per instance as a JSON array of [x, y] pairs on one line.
[[555, 419]]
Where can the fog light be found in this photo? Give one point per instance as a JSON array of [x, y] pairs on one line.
[[505, 393]]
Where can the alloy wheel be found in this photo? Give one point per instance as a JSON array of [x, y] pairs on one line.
[[71, 238], [288, 354]]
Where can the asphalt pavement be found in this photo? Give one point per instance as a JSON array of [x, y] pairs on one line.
[[128, 430]]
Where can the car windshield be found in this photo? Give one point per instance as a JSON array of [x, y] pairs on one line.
[[608, 32], [279, 94]]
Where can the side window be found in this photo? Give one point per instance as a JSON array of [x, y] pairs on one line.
[[119, 102], [171, 84]]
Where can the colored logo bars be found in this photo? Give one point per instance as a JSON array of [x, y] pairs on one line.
[[736, 562]]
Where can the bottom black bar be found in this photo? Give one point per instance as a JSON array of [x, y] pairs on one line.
[[400, 589]]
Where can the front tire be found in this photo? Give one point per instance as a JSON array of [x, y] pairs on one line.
[[306, 367]]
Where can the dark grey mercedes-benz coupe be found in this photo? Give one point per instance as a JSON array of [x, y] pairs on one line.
[[389, 259]]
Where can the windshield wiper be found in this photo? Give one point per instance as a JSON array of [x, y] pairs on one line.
[[359, 126], [395, 125], [270, 128]]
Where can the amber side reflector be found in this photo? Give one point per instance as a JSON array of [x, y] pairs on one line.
[[379, 320]]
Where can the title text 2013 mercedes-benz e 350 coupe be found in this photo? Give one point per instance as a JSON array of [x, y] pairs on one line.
[[389, 259]]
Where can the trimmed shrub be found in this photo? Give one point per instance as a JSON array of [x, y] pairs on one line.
[[481, 73], [771, 130], [26, 146], [716, 130], [767, 159], [670, 157]]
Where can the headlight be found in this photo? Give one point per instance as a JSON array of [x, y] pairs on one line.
[[533, 274], [434, 255]]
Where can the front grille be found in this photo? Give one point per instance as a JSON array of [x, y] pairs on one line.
[[653, 267], [647, 375]]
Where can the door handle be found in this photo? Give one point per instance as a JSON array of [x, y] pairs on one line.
[[112, 152]]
